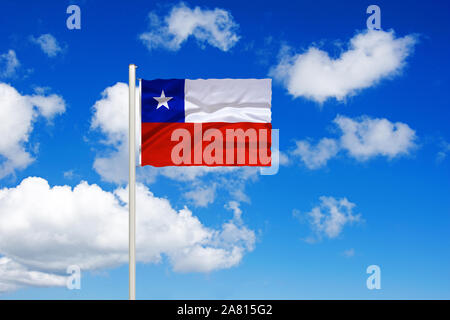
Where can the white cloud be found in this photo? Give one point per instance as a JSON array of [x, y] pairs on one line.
[[201, 196], [46, 229], [284, 158], [371, 56], [68, 174], [14, 276], [329, 217], [349, 253], [361, 138], [48, 43], [48, 106], [235, 207], [71, 174], [214, 27], [8, 64], [17, 115], [111, 113], [316, 156], [365, 137]]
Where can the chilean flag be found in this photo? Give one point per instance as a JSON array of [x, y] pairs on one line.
[[206, 122]]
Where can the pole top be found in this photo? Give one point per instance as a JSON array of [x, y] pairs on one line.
[[132, 65]]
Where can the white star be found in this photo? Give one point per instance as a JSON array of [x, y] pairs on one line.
[[162, 101]]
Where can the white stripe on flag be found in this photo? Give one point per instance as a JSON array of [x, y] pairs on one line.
[[228, 100]]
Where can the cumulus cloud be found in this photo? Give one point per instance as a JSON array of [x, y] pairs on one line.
[[361, 138], [18, 113], [215, 27], [235, 207], [43, 229], [329, 218], [202, 196], [110, 117], [8, 64], [48, 44], [371, 56], [111, 113], [364, 138]]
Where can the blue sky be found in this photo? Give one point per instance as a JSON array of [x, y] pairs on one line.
[[395, 177]]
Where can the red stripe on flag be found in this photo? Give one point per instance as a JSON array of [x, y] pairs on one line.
[[206, 144]]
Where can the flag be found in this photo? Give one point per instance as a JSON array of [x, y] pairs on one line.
[[206, 122]]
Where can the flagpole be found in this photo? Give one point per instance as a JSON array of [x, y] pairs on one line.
[[132, 181]]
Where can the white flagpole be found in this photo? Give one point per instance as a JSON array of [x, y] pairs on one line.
[[132, 181]]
